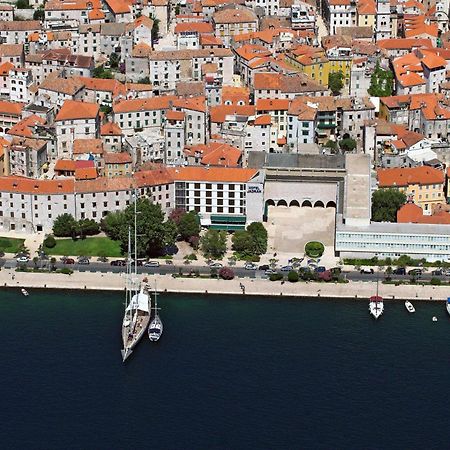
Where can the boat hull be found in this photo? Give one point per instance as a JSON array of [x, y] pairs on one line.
[[409, 307], [130, 341], [448, 308]]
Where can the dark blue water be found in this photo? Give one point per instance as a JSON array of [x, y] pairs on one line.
[[228, 373]]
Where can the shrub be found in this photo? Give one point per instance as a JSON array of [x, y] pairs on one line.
[[326, 276], [293, 276], [66, 271], [435, 282], [276, 277], [49, 241], [226, 273], [314, 249], [191, 257]]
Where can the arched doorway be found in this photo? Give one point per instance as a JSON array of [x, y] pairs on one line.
[[306, 203], [319, 204], [282, 203], [331, 205], [294, 203], [270, 202]]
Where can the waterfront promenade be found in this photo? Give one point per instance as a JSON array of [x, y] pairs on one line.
[[252, 287]]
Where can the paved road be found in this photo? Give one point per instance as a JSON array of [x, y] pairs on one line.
[[165, 269]]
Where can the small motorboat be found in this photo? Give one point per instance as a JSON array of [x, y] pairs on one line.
[[448, 305], [409, 307], [434, 319], [24, 292]]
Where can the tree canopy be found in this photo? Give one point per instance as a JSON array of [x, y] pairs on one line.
[[385, 204], [347, 144], [153, 233], [258, 235], [214, 243], [65, 225], [336, 82], [381, 82], [189, 225]]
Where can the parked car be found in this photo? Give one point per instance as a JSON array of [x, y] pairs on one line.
[[69, 261], [250, 266], [287, 268], [83, 262], [151, 264], [264, 267], [23, 259], [447, 272], [270, 272], [320, 269], [437, 272], [216, 265], [399, 271], [118, 262], [415, 272], [366, 270]]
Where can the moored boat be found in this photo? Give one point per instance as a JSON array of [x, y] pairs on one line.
[[24, 292], [448, 305], [410, 307], [376, 305], [155, 328]]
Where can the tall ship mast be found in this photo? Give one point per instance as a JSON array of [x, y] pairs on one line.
[[137, 308], [376, 305]]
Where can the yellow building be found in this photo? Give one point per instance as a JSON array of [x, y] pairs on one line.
[[117, 164], [366, 12], [423, 185], [343, 65], [312, 61]]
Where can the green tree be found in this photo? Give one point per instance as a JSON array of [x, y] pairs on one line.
[[153, 234], [49, 241], [381, 82], [114, 60], [242, 242], [145, 80], [189, 225], [171, 232], [386, 203], [336, 82], [88, 227], [65, 225], [258, 235], [110, 224], [331, 144], [347, 144], [214, 243], [101, 72], [23, 4], [155, 29], [39, 14]]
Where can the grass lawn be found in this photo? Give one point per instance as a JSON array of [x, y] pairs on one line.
[[10, 245], [91, 246]]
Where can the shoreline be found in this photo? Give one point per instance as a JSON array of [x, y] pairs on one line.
[[353, 290]]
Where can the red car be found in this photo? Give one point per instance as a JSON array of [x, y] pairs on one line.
[[69, 261]]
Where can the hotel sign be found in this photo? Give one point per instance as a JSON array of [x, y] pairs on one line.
[[254, 190]]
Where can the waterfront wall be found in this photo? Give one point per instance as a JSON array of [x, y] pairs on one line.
[[260, 287]]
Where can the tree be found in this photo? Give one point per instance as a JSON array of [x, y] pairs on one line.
[[381, 82], [114, 60], [347, 144], [293, 276], [176, 214], [23, 4], [64, 225], [49, 241], [258, 235], [177, 10], [101, 72], [331, 144], [145, 80], [214, 243], [155, 28], [153, 234], [189, 225], [88, 227], [242, 242], [39, 14], [336, 82], [226, 273], [386, 203]]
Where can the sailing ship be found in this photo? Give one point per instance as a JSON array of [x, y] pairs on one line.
[[155, 328], [376, 305], [137, 310]]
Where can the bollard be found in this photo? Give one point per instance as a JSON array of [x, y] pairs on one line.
[[206, 291]]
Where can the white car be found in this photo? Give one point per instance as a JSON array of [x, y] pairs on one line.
[[151, 264], [216, 265], [250, 266], [23, 259]]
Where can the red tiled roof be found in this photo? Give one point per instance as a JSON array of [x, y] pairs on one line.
[[402, 177], [73, 110]]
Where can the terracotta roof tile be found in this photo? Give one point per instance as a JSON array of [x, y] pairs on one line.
[[412, 175], [73, 110]]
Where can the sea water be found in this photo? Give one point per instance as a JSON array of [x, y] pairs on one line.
[[228, 373]]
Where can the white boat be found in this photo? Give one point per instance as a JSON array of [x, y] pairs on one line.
[[434, 319], [448, 305], [155, 328], [24, 292], [376, 305], [137, 308], [410, 307]]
